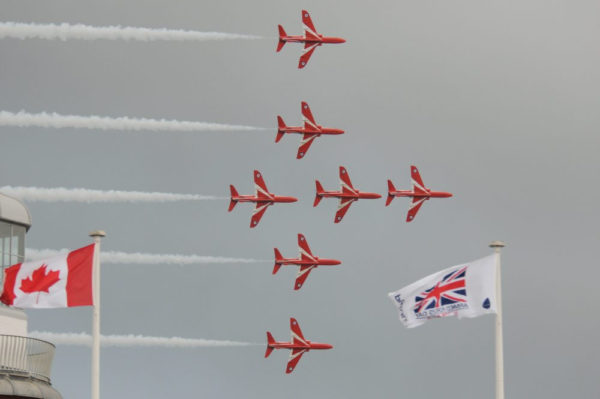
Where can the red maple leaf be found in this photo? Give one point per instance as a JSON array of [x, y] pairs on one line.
[[39, 280]]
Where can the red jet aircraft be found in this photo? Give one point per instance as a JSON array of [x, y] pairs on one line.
[[419, 193], [311, 39], [298, 345], [263, 198], [307, 262], [310, 130], [347, 195]]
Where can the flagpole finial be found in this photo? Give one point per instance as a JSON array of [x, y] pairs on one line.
[[497, 244], [98, 233]]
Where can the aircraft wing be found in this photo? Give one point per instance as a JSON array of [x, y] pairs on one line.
[[258, 213], [414, 208], [418, 185], [345, 181], [343, 208], [295, 356], [297, 337], [309, 120], [302, 275], [305, 252], [307, 140], [310, 32], [260, 186], [309, 48]]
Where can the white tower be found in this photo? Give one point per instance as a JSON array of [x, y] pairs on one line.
[[25, 363]]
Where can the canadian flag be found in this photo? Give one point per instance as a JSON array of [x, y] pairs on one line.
[[58, 282]]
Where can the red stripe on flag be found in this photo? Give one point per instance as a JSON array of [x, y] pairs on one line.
[[79, 279], [10, 277]]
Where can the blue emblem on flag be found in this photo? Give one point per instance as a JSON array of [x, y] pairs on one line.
[[486, 303]]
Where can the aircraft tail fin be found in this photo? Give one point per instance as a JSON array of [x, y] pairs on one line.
[[390, 197], [234, 193], [278, 259], [280, 125], [281, 42], [270, 342], [319, 194]]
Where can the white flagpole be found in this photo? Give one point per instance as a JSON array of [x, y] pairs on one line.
[[498, 245], [97, 236]]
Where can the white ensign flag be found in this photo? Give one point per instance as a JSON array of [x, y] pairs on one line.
[[467, 290]]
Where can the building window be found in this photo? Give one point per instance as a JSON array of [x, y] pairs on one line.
[[12, 245]]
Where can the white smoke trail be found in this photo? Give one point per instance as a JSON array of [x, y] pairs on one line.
[[144, 259], [83, 339], [54, 120], [61, 194], [16, 30]]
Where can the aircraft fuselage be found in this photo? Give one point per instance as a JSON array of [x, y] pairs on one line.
[[322, 39], [429, 194], [303, 130], [341, 194], [308, 262], [310, 345], [263, 200]]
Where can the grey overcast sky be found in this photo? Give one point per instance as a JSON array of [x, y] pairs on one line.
[[495, 101]]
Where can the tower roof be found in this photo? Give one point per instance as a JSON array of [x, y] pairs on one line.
[[14, 211]]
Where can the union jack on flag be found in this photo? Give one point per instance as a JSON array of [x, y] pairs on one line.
[[450, 290]]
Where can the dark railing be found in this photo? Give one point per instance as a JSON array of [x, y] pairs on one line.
[[24, 355]]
